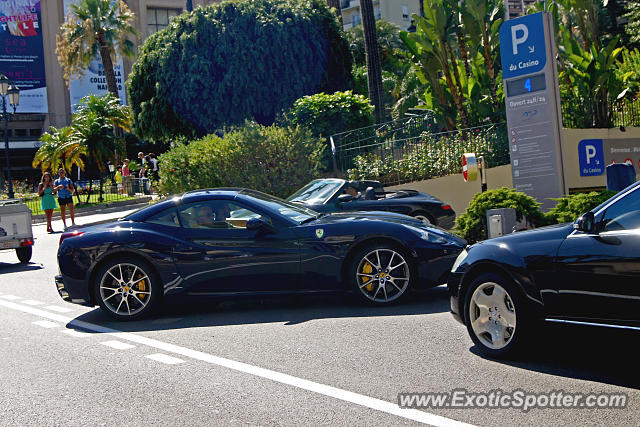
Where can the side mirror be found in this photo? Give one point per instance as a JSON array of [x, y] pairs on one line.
[[345, 198], [256, 224], [586, 223]]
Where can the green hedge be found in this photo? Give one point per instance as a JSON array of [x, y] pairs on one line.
[[570, 207], [275, 160]]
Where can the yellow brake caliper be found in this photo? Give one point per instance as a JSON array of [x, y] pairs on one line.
[[142, 286], [367, 269]]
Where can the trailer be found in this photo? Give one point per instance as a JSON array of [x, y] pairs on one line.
[[15, 229]]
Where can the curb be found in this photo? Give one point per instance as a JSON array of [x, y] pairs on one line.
[[106, 208]]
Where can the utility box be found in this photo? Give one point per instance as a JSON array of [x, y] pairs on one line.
[[500, 222]]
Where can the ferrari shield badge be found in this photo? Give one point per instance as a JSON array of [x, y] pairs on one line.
[[319, 233]]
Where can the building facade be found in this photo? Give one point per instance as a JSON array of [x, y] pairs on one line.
[[399, 12]]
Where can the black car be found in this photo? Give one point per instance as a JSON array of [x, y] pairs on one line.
[[232, 242], [587, 272], [329, 195]]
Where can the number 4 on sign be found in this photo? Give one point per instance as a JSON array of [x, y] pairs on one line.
[[527, 85]]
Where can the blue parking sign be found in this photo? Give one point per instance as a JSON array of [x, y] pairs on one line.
[[591, 157], [522, 46]]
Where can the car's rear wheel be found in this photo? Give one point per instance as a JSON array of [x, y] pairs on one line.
[[380, 274], [24, 254], [496, 316], [424, 217], [127, 289]]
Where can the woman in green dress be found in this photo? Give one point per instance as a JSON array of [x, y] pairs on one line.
[[48, 203]]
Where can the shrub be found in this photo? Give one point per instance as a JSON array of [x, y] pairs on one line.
[[570, 207], [235, 60], [275, 160], [472, 224]]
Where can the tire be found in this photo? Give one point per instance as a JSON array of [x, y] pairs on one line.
[[504, 329], [24, 254], [380, 274], [131, 277], [424, 217]]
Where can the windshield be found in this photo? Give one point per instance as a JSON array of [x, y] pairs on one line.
[[296, 213], [316, 192]]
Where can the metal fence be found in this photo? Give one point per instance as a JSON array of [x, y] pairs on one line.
[[587, 113], [429, 154], [88, 193]]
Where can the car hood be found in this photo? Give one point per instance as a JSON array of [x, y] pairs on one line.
[[388, 217], [537, 235]]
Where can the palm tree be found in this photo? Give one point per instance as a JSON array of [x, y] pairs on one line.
[[374, 68], [95, 27], [60, 148]]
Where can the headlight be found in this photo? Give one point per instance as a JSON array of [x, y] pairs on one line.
[[428, 236], [459, 260]]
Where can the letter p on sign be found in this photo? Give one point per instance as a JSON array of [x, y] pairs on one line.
[[590, 152], [515, 40]]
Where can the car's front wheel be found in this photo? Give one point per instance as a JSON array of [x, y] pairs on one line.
[[496, 316], [126, 289], [380, 274]]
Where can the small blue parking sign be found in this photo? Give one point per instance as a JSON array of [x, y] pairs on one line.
[[522, 46], [591, 157]]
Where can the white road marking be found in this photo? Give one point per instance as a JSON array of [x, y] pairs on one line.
[[32, 302], [10, 297], [159, 357], [326, 390], [59, 309], [75, 333], [118, 345], [46, 324]]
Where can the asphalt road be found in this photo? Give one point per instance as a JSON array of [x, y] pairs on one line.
[[278, 361]]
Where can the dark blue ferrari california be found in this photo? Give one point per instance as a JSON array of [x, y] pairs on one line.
[[232, 242]]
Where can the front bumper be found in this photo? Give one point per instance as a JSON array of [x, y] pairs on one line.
[[453, 284], [74, 291]]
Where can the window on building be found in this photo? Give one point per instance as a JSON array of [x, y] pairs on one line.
[[20, 132], [158, 18], [35, 132], [356, 19], [405, 13], [378, 13]]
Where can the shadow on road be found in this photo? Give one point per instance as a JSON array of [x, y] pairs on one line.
[[17, 267], [285, 309], [597, 354]]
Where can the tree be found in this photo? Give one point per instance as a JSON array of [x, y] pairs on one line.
[[59, 148], [335, 5], [632, 28], [95, 27], [374, 69], [389, 43], [260, 57]]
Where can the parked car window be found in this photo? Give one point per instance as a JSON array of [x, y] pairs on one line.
[[292, 211], [623, 214], [168, 217], [218, 214], [316, 192]]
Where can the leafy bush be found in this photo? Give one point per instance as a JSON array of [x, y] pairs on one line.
[[472, 224], [570, 207], [271, 159], [235, 60]]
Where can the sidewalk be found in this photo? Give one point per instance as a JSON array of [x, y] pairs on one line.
[[121, 206]]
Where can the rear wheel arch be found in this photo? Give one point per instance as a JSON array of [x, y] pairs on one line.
[[120, 255], [423, 213]]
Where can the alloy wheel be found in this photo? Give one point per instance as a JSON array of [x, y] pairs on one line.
[[125, 289], [383, 275], [492, 315]]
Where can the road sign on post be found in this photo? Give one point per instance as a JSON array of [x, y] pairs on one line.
[[532, 101], [469, 167]]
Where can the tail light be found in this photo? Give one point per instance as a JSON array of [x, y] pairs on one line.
[[26, 242], [446, 207], [74, 233]]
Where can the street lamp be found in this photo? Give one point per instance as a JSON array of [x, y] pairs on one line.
[[6, 88]]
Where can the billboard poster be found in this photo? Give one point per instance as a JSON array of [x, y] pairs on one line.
[[94, 82], [22, 52]]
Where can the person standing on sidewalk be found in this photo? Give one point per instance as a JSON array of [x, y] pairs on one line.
[[65, 190], [126, 177], [46, 190]]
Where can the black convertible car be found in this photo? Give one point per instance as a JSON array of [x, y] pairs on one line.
[[587, 272], [329, 195], [225, 242]]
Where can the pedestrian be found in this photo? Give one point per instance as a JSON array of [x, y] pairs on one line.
[[65, 189], [46, 190], [153, 165], [141, 172], [118, 179], [126, 177]]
